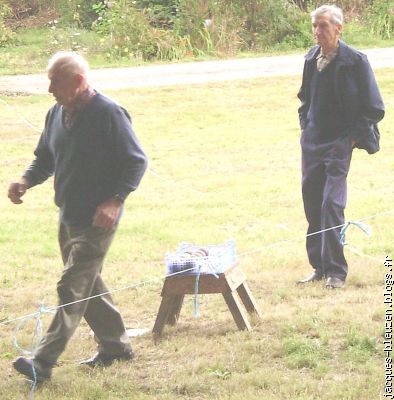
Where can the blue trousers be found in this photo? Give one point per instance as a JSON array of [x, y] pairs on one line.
[[324, 190]]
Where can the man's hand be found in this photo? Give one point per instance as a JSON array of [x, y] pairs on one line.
[[107, 213], [16, 190]]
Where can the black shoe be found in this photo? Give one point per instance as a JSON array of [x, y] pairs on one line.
[[34, 369], [316, 276], [334, 283], [105, 360]]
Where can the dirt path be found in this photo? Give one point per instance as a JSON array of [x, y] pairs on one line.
[[186, 73]]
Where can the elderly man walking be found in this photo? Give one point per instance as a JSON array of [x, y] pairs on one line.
[[89, 145], [340, 108]]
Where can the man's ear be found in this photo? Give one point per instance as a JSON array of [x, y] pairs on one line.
[[79, 80]]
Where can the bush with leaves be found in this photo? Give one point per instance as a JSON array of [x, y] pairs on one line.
[[273, 22], [160, 13], [380, 16], [76, 13], [126, 32], [211, 27], [7, 37], [230, 26]]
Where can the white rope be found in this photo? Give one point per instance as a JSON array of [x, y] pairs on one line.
[[21, 117], [54, 308], [313, 233], [155, 280]]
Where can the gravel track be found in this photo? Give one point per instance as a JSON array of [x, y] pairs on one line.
[[185, 73]]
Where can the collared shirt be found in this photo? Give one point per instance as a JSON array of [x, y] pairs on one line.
[[71, 113], [322, 60]]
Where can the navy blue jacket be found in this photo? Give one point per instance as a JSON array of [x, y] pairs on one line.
[[98, 158], [356, 93]]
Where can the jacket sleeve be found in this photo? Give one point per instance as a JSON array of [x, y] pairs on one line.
[[371, 107], [302, 95], [42, 167], [130, 156]]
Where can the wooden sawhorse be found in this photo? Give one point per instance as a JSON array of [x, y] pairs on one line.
[[177, 286]]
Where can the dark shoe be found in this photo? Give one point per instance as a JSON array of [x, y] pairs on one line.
[[316, 276], [105, 360], [334, 283], [33, 369]]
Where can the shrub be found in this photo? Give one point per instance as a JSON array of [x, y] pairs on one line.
[[23, 8], [160, 13], [270, 22], [7, 37], [125, 32], [380, 16], [242, 25], [211, 26], [76, 13]]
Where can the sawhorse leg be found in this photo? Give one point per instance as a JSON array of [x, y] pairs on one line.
[[247, 298], [175, 309], [237, 312], [169, 310]]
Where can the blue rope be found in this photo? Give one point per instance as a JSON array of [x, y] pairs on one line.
[[196, 285], [37, 336], [364, 227]]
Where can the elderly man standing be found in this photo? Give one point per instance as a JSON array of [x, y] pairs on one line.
[[340, 108], [89, 145]]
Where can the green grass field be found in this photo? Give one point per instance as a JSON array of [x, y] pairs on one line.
[[224, 163]]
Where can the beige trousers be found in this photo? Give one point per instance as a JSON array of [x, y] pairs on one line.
[[83, 251]]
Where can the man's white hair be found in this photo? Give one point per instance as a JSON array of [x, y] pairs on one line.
[[69, 62], [335, 13]]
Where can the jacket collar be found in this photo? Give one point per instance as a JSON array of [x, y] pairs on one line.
[[346, 55]]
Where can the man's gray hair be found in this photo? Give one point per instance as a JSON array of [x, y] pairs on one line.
[[335, 13], [69, 62]]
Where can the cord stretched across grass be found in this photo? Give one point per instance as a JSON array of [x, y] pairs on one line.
[[158, 279]]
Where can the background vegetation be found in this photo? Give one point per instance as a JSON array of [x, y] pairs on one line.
[[224, 163], [229, 155], [130, 31]]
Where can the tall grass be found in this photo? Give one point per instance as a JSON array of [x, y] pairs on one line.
[[381, 18], [229, 155]]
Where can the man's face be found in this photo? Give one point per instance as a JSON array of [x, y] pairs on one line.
[[325, 32], [63, 86]]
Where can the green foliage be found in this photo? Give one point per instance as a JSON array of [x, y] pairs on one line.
[[380, 15], [22, 8], [271, 22], [60, 38], [212, 27], [126, 33], [251, 25], [174, 29], [7, 37], [160, 13], [349, 7], [76, 13]]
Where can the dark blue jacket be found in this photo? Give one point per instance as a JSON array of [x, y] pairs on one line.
[[356, 93]]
